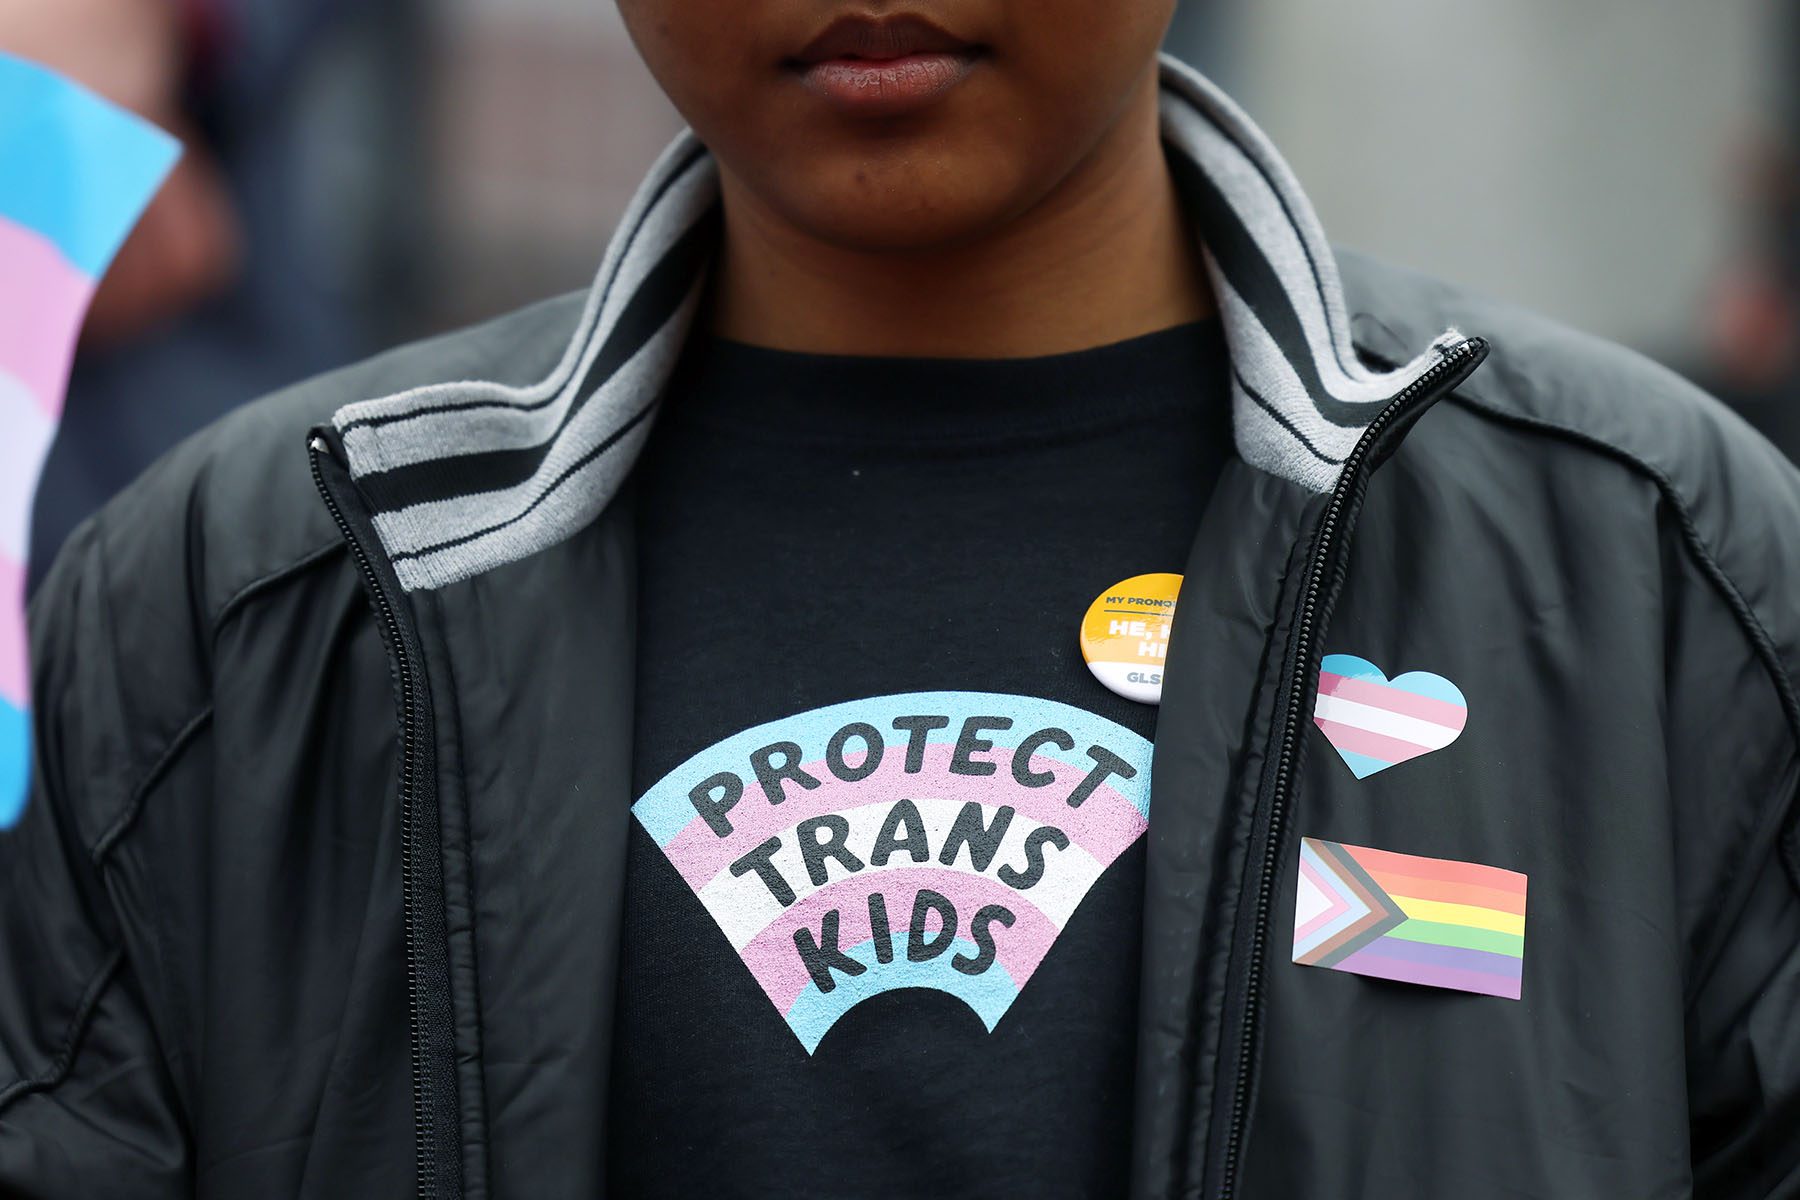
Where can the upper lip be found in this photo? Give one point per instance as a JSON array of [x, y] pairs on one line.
[[881, 39]]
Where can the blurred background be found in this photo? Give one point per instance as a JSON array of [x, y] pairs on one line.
[[361, 172]]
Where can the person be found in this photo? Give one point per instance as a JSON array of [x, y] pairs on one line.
[[647, 745]]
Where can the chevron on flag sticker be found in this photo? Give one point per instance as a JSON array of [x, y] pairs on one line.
[[1431, 921]]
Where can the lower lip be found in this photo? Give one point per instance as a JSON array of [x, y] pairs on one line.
[[887, 87]]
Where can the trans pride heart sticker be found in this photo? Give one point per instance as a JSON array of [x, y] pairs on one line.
[[1374, 722], [935, 840]]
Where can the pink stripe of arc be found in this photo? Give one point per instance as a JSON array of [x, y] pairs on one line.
[[42, 299], [1395, 700], [1105, 824], [775, 961], [1339, 906], [15, 671], [1363, 962], [1380, 746]]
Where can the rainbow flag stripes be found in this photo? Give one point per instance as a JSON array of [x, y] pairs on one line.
[[1431, 921], [75, 172], [1374, 722]]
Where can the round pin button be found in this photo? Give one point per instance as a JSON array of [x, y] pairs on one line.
[[1125, 635]]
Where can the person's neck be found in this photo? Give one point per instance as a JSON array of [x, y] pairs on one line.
[[1105, 257]]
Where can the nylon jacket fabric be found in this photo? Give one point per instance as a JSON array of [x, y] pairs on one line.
[[317, 893]]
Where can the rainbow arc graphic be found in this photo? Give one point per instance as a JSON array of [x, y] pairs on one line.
[[75, 173], [934, 840], [1431, 921]]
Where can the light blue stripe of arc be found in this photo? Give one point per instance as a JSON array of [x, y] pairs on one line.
[[73, 167], [1419, 683], [15, 762], [664, 809], [989, 994]]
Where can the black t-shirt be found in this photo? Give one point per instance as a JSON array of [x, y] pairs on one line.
[[885, 878]]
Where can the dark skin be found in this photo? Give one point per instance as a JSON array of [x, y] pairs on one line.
[[1023, 207]]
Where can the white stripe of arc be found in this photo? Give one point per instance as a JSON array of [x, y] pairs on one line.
[[433, 434], [635, 385], [744, 907], [581, 338], [26, 432], [1380, 720]]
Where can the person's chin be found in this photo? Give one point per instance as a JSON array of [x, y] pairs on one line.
[[914, 201]]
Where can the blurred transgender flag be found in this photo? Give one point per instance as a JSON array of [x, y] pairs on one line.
[[75, 173]]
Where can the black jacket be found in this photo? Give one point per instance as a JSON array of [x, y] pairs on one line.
[[318, 891]]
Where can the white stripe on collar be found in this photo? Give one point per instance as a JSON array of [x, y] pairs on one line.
[[463, 477]]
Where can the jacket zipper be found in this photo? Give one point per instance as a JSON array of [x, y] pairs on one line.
[[1333, 535], [399, 642]]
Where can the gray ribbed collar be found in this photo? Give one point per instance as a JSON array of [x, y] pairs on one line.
[[463, 477]]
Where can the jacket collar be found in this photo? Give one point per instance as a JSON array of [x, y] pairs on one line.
[[464, 477]]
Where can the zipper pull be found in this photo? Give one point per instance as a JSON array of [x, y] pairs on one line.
[[319, 444]]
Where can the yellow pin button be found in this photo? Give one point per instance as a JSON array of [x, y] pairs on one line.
[[1125, 635]]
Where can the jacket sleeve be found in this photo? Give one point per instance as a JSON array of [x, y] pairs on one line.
[[1735, 781], [87, 1103], [1744, 1049]]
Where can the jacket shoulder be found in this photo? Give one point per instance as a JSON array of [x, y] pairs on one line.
[[239, 493], [123, 624], [1737, 496]]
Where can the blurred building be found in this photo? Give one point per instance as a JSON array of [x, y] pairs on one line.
[[543, 122], [1574, 157], [1592, 161]]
